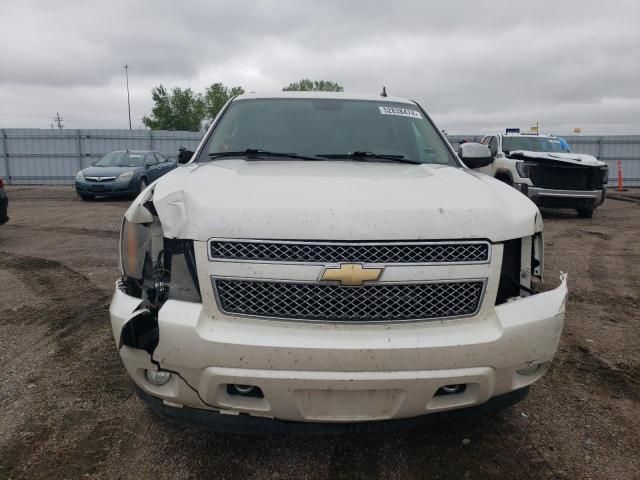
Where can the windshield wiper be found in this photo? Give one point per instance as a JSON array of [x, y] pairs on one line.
[[363, 156], [250, 153]]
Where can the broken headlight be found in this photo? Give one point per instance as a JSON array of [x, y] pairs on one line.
[[134, 245], [523, 169], [522, 267]]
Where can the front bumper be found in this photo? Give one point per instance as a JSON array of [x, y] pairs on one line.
[[343, 373], [111, 188], [546, 197], [220, 422]]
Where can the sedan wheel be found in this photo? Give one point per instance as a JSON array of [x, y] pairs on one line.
[[142, 184]]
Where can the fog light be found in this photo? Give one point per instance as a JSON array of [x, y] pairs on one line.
[[451, 389], [157, 377], [244, 390]]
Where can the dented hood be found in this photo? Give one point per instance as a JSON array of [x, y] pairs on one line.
[[573, 158], [334, 200]]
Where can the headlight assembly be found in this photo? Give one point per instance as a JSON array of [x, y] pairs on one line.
[[125, 177], [134, 245], [80, 176], [157, 268], [523, 169], [522, 267]]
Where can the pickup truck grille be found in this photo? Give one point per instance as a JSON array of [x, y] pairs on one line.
[[566, 177], [371, 303], [369, 252]]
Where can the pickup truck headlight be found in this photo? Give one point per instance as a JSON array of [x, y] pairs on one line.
[[125, 177], [169, 273], [134, 244], [523, 169], [605, 174], [522, 267], [80, 176]]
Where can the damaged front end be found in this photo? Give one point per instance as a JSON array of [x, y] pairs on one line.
[[561, 180], [154, 269], [559, 173]]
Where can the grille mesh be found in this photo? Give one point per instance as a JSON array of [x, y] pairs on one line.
[[341, 252], [311, 301], [566, 178]]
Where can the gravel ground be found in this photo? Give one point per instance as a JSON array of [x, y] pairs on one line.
[[67, 408]]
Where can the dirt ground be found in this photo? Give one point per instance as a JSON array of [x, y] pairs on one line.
[[67, 408]]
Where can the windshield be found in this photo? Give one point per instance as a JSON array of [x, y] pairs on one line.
[[121, 159], [316, 127], [532, 144]]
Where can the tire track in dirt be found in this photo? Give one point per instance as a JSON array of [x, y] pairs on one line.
[[594, 379], [61, 400], [90, 232]]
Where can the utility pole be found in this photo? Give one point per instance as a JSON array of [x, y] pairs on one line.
[[58, 121], [126, 72]]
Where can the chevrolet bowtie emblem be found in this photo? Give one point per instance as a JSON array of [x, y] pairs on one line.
[[351, 274]]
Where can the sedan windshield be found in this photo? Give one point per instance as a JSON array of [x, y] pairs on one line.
[[532, 144], [121, 159], [336, 129]]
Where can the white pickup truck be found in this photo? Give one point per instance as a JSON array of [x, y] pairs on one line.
[[544, 169], [327, 261]]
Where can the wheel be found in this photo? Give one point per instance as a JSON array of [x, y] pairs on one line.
[[585, 212], [87, 198], [142, 184], [505, 179]]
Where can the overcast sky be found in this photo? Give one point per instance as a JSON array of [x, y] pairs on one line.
[[474, 66]]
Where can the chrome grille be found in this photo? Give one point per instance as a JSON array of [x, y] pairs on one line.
[[99, 179], [372, 303], [311, 252]]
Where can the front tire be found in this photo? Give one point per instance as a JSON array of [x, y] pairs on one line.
[[142, 184], [87, 198], [585, 212]]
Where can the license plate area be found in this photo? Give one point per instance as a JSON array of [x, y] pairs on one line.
[[349, 405]]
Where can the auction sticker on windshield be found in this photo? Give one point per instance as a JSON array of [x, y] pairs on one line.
[[402, 112]]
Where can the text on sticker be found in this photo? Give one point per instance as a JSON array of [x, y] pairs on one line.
[[402, 112]]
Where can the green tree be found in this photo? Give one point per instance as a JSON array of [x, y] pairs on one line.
[[175, 110], [180, 109], [306, 85], [215, 96]]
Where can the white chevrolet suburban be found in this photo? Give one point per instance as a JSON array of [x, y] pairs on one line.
[[327, 261], [543, 168]]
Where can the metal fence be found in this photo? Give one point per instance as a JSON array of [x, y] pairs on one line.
[[608, 148], [34, 156]]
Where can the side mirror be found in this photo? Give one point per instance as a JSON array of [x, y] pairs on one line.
[[475, 155], [184, 156]]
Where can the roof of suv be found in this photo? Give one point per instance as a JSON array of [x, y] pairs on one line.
[[526, 135], [324, 95]]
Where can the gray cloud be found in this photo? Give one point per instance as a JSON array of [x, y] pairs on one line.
[[474, 66]]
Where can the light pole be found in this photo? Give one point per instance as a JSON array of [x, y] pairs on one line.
[[126, 72]]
